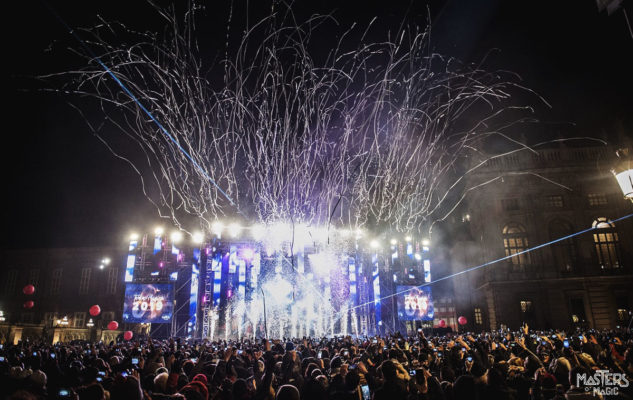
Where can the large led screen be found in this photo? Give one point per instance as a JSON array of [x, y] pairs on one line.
[[153, 303], [415, 303]]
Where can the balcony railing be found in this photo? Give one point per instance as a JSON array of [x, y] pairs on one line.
[[509, 272]]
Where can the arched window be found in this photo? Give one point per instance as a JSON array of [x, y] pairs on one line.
[[564, 251], [606, 240], [515, 241]]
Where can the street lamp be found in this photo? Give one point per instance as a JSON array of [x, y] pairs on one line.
[[623, 172], [104, 261]]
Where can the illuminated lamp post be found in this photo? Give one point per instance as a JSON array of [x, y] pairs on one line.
[[105, 261], [623, 173], [91, 331]]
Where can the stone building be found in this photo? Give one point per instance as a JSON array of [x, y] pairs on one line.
[[583, 280], [67, 282]]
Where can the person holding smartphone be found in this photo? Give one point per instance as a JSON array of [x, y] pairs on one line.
[[393, 387]]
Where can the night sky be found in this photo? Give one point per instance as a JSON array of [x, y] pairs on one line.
[[64, 188]]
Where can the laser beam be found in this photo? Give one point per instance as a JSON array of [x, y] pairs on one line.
[[540, 246]]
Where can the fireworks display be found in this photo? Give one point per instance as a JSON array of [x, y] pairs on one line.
[[303, 146], [372, 134]]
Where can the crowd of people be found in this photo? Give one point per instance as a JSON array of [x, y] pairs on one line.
[[496, 365]]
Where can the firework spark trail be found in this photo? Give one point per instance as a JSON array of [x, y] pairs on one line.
[[373, 134], [370, 135]]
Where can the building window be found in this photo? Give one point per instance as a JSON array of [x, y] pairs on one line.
[[564, 251], [554, 201], [597, 199], [515, 241], [84, 281], [56, 281], [577, 307], [79, 320], [606, 240], [9, 286], [49, 319], [510, 204], [526, 306], [106, 317], [478, 317], [26, 318], [34, 277], [112, 280], [622, 305]]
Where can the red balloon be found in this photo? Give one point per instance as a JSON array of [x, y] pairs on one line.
[[28, 290], [113, 325], [29, 304], [442, 323], [128, 335], [95, 310], [462, 320]]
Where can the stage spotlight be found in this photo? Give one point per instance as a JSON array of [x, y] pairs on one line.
[[197, 237], [234, 229], [258, 231], [105, 261], [159, 231], [394, 242], [426, 242], [133, 236], [408, 238], [176, 236], [374, 244], [217, 228]]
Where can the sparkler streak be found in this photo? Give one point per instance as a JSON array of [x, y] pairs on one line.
[[381, 136], [369, 135]]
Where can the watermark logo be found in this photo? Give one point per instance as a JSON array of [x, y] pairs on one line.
[[602, 382]]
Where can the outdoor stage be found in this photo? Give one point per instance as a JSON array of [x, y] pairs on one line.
[[277, 282]]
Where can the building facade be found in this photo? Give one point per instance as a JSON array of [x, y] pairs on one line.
[[67, 281], [585, 279], [563, 201]]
